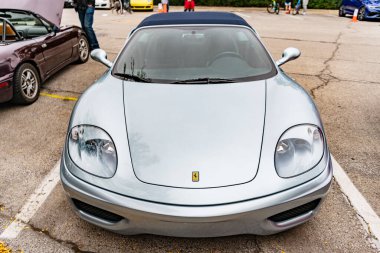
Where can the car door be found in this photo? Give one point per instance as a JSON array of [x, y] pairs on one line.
[[57, 50], [57, 47]]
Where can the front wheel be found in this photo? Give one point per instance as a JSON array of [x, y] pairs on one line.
[[361, 14], [83, 49], [341, 11], [26, 87]]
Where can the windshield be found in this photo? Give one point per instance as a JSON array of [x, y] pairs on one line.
[[27, 25], [20, 18], [172, 54]]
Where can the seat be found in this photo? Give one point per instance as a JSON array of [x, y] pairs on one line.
[[9, 32]]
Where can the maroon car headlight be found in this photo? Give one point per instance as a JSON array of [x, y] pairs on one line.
[[92, 150], [299, 149]]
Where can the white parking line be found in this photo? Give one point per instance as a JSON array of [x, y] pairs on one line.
[[360, 204], [39, 196], [32, 204]]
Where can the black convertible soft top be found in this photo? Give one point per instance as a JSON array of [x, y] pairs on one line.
[[184, 18]]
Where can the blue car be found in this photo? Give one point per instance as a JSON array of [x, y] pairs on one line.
[[368, 9]]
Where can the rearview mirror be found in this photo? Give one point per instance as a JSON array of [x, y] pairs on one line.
[[289, 54], [100, 55]]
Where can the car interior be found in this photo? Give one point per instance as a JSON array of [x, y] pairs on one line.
[[10, 34]]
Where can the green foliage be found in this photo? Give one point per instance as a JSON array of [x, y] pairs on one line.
[[313, 4]]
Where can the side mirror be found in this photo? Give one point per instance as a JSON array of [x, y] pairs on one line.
[[56, 29], [100, 55], [289, 54]]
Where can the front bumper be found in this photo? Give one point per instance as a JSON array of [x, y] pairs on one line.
[[103, 5], [142, 7], [372, 14], [247, 217]]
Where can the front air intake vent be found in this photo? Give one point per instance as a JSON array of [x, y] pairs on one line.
[[292, 213], [97, 212]]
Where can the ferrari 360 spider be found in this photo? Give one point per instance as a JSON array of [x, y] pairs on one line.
[[195, 131]]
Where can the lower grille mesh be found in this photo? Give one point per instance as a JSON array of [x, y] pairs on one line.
[[295, 211], [97, 212]]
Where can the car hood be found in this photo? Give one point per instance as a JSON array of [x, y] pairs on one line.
[[214, 131], [102, 105], [45, 8]]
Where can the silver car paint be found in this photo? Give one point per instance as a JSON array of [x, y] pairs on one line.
[[220, 125], [287, 105]]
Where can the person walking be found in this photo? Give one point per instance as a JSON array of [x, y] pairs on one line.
[[125, 6], [189, 5], [86, 9], [288, 6], [305, 3]]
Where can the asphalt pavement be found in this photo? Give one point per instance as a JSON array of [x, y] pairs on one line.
[[339, 67]]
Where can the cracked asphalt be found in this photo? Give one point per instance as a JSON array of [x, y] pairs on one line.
[[339, 67]]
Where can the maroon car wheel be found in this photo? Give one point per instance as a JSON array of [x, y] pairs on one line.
[[83, 49], [26, 87]]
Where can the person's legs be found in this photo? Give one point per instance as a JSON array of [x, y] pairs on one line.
[[305, 3], [88, 21], [81, 15]]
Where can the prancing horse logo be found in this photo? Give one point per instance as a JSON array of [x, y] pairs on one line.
[[195, 176]]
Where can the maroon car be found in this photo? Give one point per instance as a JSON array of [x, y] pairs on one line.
[[31, 50]]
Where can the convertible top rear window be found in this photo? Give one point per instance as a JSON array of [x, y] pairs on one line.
[[177, 53]]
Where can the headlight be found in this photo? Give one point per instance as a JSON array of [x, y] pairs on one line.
[[93, 150], [299, 149]]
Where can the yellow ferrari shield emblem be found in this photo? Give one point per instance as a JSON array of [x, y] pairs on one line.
[[195, 176]]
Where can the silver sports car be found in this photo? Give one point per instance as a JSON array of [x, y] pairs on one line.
[[195, 131]]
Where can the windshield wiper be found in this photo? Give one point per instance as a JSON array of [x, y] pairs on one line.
[[205, 80], [133, 77]]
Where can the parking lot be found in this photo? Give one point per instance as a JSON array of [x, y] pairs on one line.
[[339, 67]]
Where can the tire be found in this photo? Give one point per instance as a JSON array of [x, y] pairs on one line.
[[341, 11], [83, 50], [270, 8], [361, 14], [26, 85]]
